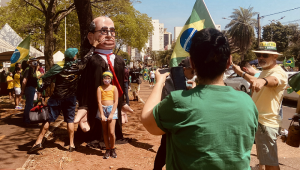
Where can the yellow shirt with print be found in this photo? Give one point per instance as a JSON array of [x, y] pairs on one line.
[[17, 83], [268, 99], [10, 84], [40, 81]]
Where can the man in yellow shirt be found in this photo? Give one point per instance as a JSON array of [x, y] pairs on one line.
[[267, 91], [10, 85]]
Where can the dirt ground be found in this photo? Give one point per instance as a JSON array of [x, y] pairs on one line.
[[138, 153]]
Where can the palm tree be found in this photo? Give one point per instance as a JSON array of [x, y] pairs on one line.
[[241, 28]]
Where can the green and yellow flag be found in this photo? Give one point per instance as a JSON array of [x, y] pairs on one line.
[[199, 19], [21, 52], [294, 82], [290, 62]]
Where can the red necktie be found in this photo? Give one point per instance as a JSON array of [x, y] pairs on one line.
[[115, 79]]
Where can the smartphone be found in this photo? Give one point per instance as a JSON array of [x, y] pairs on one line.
[[163, 71], [177, 75]]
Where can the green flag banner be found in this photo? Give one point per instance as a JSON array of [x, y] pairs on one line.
[[199, 19], [290, 62], [294, 82], [21, 52]]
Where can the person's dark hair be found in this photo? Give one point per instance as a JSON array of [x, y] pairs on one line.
[[24, 65], [40, 64], [245, 64], [185, 62], [17, 69], [92, 27], [209, 52]]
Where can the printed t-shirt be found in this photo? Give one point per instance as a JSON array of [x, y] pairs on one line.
[[152, 74], [17, 83], [10, 84], [208, 127], [268, 99], [31, 78]]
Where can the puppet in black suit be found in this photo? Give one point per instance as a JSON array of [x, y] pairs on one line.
[[101, 36]]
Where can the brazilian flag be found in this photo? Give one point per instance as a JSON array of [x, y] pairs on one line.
[[290, 62], [294, 82], [199, 19], [21, 53]]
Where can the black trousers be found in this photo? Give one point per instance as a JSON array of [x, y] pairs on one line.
[[126, 92], [160, 159]]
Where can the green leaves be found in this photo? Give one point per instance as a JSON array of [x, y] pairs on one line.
[[241, 28]]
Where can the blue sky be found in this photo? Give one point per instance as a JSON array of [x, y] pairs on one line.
[[175, 12]]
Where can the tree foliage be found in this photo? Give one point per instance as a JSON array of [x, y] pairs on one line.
[[24, 17], [133, 27], [280, 34], [241, 28]]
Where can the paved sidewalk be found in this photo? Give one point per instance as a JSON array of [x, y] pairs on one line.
[[145, 91]]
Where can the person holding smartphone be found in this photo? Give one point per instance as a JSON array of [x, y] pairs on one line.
[[204, 125], [160, 159]]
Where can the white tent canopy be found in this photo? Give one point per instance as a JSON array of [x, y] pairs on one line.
[[58, 56], [9, 41]]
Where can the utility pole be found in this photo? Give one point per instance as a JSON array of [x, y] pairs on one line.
[[258, 30]]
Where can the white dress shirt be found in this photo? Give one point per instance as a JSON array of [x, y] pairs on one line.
[[112, 57]]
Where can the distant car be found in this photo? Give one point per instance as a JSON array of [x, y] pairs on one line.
[[237, 82], [293, 96]]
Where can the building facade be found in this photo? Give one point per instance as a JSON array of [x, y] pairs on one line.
[[177, 31], [167, 40]]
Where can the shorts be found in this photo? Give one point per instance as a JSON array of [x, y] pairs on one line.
[[66, 105], [266, 145], [17, 90], [152, 80], [107, 110], [135, 87], [10, 90]]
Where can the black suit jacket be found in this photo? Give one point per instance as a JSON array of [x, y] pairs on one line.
[[90, 80]]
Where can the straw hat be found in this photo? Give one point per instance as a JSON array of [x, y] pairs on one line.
[[267, 48]]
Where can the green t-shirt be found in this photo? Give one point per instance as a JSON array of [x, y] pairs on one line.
[[208, 127]]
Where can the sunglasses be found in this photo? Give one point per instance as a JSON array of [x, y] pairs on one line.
[[258, 55]]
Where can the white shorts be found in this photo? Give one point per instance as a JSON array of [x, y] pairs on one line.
[[17, 90]]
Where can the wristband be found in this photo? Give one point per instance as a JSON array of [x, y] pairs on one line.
[[243, 75], [266, 81]]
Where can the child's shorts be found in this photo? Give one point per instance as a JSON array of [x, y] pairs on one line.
[[106, 111]]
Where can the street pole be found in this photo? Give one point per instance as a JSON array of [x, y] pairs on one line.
[[65, 33], [258, 32]]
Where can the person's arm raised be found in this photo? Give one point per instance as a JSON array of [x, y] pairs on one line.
[[256, 83], [147, 117]]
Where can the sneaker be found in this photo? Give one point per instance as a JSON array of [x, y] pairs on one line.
[[18, 107], [107, 154], [113, 153]]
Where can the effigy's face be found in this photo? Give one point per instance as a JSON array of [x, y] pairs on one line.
[[105, 35]]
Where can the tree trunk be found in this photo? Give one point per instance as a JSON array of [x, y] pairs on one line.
[[49, 45], [85, 17]]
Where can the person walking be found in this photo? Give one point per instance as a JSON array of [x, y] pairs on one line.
[[201, 125], [135, 81], [152, 77], [17, 87], [10, 85], [29, 85], [267, 95], [107, 95], [66, 75]]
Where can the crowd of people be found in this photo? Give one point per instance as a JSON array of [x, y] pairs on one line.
[[207, 126]]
